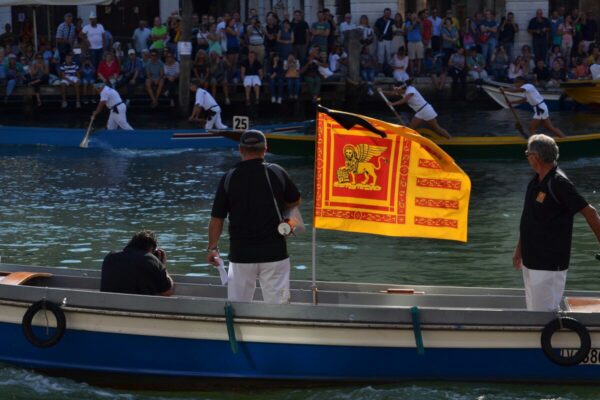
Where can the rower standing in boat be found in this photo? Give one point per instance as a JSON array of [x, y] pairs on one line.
[[423, 110], [540, 109], [110, 98], [205, 101]]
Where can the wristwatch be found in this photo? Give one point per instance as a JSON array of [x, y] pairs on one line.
[[211, 249]]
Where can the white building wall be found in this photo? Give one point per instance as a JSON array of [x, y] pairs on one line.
[[5, 17], [372, 9], [524, 10], [83, 12], [167, 7]]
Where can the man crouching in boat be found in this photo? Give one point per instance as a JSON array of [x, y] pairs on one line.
[[205, 101], [110, 98], [255, 196], [540, 109], [138, 269], [423, 110], [544, 247]]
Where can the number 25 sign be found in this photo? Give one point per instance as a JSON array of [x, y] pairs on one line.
[[241, 123]]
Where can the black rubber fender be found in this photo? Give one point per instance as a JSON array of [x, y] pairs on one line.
[[61, 324], [572, 324]]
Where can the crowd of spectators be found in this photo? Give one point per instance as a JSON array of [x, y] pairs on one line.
[[280, 52]]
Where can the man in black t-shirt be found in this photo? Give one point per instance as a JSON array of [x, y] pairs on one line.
[[539, 28], [301, 34], [385, 34], [254, 195], [138, 269], [544, 248]]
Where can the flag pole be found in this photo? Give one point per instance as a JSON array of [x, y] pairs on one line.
[[314, 266]]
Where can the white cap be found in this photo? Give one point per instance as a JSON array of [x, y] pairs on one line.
[[93, 15], [131, 51]]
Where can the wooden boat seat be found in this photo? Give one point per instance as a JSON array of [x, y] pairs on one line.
[[583, 304], [20, 278]]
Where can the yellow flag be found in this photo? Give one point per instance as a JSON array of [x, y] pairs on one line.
[[375, 177]]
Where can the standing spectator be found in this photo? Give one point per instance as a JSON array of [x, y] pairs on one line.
[[567, 30], [450, 39], [469, 34], [13, 73], [368, 35], [508, 29], [9, 39], [499, 63], [255, 37], [345, 26], [141, 37], [488, 34], [276, 76], [416, 51], [109, 70], [172, 72], [301, 32], [65, 36], [252, 74], [155, 72], [214, 40], [311, 73], [436, 34], [233, 42], [427, 28], [367, 68], [589, 30], [555, 21], [285, 40], [93, 33], [538, 28], [455, 22], [218, 70], [220, 30], [38, 75], [133, 74], [400, 64], [202, 38], [457, 71], [292, 76], [69, 75], [320, 32], [174, 33], [331, 38], [109, 40], [200, 70], [88, 78], [158, 34], [398, 33], [384, 33], [272, 30], [476, 66]]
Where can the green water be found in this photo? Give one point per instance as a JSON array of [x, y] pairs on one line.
[[67, 207]]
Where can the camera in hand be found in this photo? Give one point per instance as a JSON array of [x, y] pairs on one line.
[[286, 227]]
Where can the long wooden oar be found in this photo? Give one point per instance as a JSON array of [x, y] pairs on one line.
[[391, 107], [86, 138], [518, 124]]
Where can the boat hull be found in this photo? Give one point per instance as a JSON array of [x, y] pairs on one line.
[[583, 91], [555, 100]]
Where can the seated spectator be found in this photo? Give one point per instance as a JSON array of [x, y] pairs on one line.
[[399, 63], [457, 71], [118, 52], [338, 62], [218, 71], [38, 75], [276, 76], [541, 73], [138, 269], [579, 54], [291, 67], [595, 68], [109, 69], [557, 74], [594, 52], [172, 71], [582, 69], [13, 73], [200, 74], [433, 65], [324, 69], [499, 64], [368, 63], [476, 66], [252, 74], [155, 72], [518, 68], [133, 74], [69, 76], [88, 78], [310, 71], [553, 54]]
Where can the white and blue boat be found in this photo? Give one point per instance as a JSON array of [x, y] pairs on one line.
[[355, 333]]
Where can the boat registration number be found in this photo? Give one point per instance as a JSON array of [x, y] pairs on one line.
[[593, 357]]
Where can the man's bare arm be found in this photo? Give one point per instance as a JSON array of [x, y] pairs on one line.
[[593, 219]]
